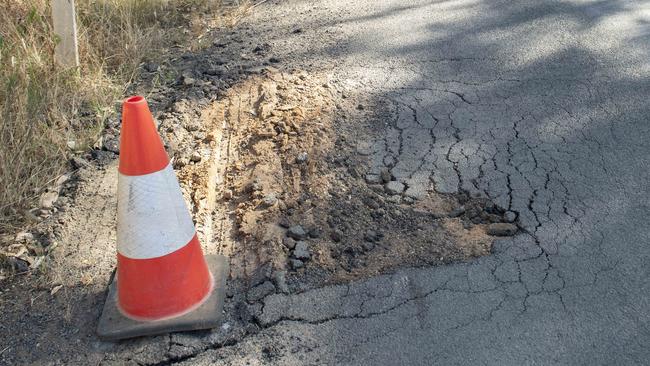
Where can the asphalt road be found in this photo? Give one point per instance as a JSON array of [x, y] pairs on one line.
[[541, 106]]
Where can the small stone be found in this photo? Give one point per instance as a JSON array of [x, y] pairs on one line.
[[396, 198], [368, 246], [302, 157], [280, 280], [364, 148], [336, 235], [269, 200], [301, 251], [371, 235], [385, 175], [457, 211], [284, 222], [261, 274], [296, 232], [502, 229], [409, 200], [188, 80], [373, 179], [315, 232], [510, 216], [289, 243], [227, 194], [112, 145], [151, 66], [24, 236], [78, 162], [274, 60], [215, 71], [296, 263], [62, 179], [48, 199], [196, 157], [260, 291], [18, 265], [394, 187]]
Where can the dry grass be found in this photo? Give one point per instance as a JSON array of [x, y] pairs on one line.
[[47, 111]]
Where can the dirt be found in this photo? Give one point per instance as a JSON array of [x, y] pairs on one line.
[[289, 155]]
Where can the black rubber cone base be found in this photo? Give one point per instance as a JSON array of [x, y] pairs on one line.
[[113, 325]]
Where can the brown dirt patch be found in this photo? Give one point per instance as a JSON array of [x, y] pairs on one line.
[[276, 151]]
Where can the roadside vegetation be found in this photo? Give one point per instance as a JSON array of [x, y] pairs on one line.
[[47, 112]]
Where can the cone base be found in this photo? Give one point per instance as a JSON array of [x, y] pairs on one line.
[[113, 325]]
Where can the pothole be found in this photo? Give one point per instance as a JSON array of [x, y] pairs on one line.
[[277, 171]]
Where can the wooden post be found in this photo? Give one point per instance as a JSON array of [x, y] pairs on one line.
[[65, 28]]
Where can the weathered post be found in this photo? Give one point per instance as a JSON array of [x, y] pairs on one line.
[[65, 28]]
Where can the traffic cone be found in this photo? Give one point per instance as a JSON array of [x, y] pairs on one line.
[[163, 282]]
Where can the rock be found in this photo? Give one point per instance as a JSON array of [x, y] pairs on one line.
[[215, 71], [302, 157], [416, 191], [280, 280], [457, 211], [151, 66], [510, 216], [394, 187], [62, 179], [24, 237], [396, 198], [112, 145], [289, 243], [260, 291], [368, 246], [315, 232], [47, 200], [269, 200], [301, 251], [261, 274], [296, 263], [18, 265], [385, 175], [371, 235], [364, 148], [188, 81], [296, 232], [336, 235], [196, 157], [373, 179], [227, 194], [103, 157], [284, 222], [78, 162], [181, 162], [502, 229], [274, 60]]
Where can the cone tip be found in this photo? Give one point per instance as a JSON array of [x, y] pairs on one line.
[[134, 99]]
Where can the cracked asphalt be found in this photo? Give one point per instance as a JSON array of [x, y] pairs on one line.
[[542, 106]]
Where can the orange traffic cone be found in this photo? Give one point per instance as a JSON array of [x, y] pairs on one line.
[[163, 282]]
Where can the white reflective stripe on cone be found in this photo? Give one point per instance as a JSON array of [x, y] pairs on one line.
[[152, 218]]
